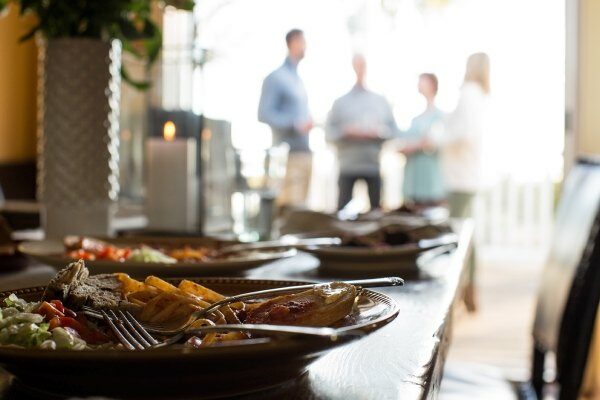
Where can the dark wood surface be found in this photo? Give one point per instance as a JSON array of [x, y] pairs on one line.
[[403, 360]]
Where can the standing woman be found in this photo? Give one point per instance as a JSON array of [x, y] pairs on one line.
[[423, 185], [462, 147]]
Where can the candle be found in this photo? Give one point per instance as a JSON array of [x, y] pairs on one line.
[[172, 183]]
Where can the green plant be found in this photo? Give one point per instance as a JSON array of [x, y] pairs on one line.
[[127, 20]]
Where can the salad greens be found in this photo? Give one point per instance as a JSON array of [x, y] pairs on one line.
[[148, 254], [21, 326]]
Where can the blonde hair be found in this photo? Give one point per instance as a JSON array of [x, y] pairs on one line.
[[478, 70]]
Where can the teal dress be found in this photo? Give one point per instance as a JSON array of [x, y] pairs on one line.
[[423, 181]]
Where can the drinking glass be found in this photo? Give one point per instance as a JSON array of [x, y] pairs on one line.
[[259, 177]]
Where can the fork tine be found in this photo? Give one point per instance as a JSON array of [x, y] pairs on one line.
[[120, 326], [126, 332], [131, 329], [116, 331], [91, 312], [139, 328]]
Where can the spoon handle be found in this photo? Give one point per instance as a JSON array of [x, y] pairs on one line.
[[275, 244], [327, 333]]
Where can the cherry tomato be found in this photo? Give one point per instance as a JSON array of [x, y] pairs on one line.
[[54, 323]]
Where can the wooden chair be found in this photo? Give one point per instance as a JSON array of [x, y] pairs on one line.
[[567, 302]]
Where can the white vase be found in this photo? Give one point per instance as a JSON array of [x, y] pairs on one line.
[[78, 142]]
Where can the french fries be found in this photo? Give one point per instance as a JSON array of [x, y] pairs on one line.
[[200, 291], [161, 301], [159, 284]]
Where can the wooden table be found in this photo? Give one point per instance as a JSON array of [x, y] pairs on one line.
[[403, 360]]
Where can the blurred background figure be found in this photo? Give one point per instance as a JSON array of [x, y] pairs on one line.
[[462, 150], [423, 185], [284, 107], [358, 123], [463, 138]]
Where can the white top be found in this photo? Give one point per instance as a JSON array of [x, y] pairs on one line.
[[462, 141]]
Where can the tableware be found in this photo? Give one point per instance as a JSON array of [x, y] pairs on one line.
[[232, 369], [266, 329], [281, 244], [51, 252], [178, 327], [388, 259], [128, 330], [259, 176]]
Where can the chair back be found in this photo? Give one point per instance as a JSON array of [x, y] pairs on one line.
[[570, 285]]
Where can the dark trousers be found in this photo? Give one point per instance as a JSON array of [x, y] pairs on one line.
[[346, 184]]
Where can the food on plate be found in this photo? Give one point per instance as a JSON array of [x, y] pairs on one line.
[[58, 320], [74, 286], [46, 325], [392, 235], [321, 306], [150, 255], [86, 248], [193, 254]]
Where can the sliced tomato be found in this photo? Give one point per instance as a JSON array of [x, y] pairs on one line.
[[49, 311], [58, 305], [81, 254], [88, 334]]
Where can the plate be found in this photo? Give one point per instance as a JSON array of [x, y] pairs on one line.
[[208, 372], [350, 260], [51, 252]]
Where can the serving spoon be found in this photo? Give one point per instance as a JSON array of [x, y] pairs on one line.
[[179, 327], [277, 244], [331, 334]]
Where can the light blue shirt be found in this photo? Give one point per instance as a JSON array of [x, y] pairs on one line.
[[284, 105], [423, 180], [364, 108]]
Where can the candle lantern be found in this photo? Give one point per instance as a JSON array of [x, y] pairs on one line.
[[172, 182]]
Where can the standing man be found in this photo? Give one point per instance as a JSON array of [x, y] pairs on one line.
[[284, 107], [358, 123]]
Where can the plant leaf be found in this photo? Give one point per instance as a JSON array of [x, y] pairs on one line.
[[153, 43], [30, 34], [187, 5], [140, 85]]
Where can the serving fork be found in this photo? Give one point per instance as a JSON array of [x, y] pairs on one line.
[[179, 327]]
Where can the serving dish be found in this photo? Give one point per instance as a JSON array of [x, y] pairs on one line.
[[392, 259], [52, 252], [231, 369], [390, 245]]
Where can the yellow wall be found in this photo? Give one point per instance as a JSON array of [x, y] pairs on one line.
[[588, 99], [17, 90]]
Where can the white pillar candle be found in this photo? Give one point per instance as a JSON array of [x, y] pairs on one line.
[[172, 183]]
